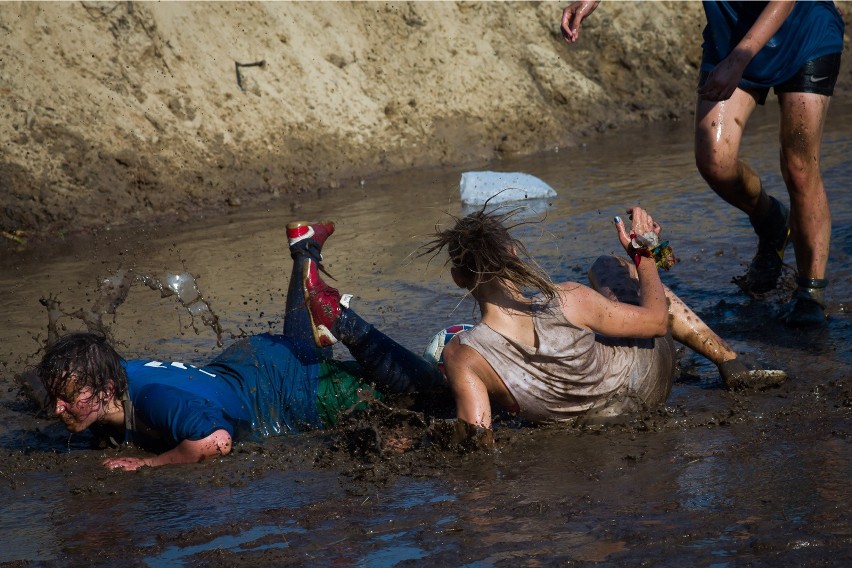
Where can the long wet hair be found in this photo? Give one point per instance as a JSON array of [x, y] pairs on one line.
[[89, 359], [480, 246]]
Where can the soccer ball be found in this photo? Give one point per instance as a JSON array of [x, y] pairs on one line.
[[435, 350]]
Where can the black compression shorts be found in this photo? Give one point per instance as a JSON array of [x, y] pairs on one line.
[[817, 76]]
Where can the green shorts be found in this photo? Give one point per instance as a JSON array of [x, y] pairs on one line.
[[340, 383]]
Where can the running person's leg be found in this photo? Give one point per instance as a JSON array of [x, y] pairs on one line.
[[719, 128], [802, 120], [804, 101]]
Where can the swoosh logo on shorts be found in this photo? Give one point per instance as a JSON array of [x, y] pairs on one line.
[[818, 79]]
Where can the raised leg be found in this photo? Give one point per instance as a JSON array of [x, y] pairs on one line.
[[305, 242], [616, 279], [393, 368], [719, 128]]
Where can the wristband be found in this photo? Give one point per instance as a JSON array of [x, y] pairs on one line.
[[649, 245]]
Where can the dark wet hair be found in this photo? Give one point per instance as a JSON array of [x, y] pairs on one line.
[[480, 246], [92, 361]]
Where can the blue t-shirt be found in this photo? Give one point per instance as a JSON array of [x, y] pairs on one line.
[[812, 30], [259, 387]]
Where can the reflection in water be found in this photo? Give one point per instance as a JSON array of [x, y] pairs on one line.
[[702, 484], [26, 528], [245, 541]]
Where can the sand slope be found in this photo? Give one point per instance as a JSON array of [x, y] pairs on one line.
[[120, 112]]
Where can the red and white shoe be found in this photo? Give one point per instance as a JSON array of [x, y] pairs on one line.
[[324, 304], [299, 231]]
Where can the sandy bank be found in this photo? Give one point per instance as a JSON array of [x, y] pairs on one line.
[[122, 112]]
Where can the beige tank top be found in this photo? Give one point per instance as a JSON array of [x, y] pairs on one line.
[[574, 371]]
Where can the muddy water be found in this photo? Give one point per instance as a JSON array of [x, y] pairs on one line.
[[712, 479]]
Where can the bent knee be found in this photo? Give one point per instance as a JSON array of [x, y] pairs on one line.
[[615, 278], [714, 170], [606, 262], [609, 266], [800, 170]]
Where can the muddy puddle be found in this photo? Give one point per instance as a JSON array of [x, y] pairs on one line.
[[712, 479]]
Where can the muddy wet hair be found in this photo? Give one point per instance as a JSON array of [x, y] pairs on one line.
[[90, 359], [480, 246]]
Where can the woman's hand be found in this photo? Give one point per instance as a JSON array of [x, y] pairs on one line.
[[643, 223]]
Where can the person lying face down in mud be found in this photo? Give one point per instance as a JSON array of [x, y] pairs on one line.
[[260, 386], [571, 351]]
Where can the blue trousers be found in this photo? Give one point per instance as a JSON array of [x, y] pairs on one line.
[[390, 366]]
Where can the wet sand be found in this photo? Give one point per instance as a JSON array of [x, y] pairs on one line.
[[712, 478]]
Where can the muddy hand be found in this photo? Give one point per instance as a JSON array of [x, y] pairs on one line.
[[722, 81], [573, 16], [642, 223], [127, 464]]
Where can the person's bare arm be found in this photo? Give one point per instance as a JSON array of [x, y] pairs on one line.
[[188, 451], [586, 307], [573, 16], [469, 390], [725, 77]]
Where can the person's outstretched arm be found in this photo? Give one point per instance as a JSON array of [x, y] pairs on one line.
[[188, 451], [588, 308], [573, 16]]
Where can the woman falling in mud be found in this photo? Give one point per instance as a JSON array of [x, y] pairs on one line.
[[260, 386], [571, 351]]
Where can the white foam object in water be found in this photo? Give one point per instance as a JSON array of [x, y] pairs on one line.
[[477, 187]]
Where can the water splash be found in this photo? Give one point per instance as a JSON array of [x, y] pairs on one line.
[[113, 291], [185, 287]]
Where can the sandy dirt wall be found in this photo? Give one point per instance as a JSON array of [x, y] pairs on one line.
[[122, 112]]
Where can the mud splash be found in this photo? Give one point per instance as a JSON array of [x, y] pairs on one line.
[[113, 291]]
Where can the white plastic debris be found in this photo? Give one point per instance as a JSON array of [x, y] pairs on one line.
[[478, 187]]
